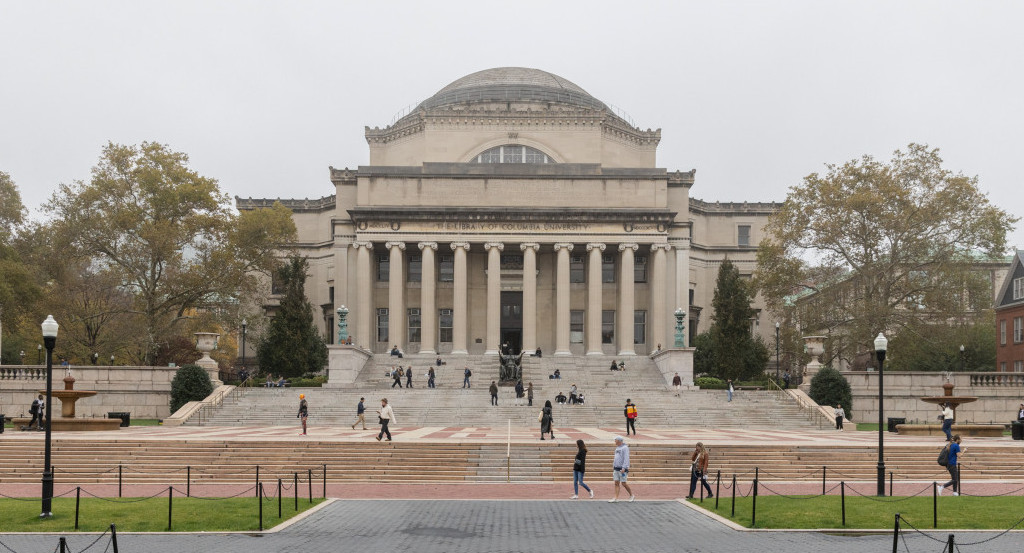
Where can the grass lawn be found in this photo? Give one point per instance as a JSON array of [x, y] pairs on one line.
[[997, 513], [148, 515]]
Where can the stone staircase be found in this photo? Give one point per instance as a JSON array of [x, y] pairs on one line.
[[164, 462], [451, 405]]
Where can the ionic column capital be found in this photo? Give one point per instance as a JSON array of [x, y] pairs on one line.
[[424, 245], [499, 245], [656, 247], [560, 245], [399, 245], [632, 246], [597, 245], [529, 245], [457, 245], [367, 245]]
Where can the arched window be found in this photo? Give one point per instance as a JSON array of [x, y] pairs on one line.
[[512, 153]]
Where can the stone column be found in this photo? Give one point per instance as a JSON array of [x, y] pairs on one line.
[[494, 250], [428, 300], [627, 301], [562, 299], [594, 304], [364, 288], [529, 296], [658, 295], [461, 304], [682, 286], [396, 294]]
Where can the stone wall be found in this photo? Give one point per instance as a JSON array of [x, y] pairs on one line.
[[145, 392], [999, 395]]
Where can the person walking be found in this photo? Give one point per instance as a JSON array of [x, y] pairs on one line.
[[677, 384], [620, 469], [947, 421], [572, 394], [360, 414], [303, 412], [430, 377], [465, 378], [785, 380], [1020, 413], [387, 416], [630, 412], [494, 393], [579, 467], [546, 419], [37, 412], [729, 384], [519, 392], [408, 377], [397, 375], [529, 395], [699, 470], [840, 415], [953, 466]]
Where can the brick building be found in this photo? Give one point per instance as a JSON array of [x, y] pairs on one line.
[[1010, 319]]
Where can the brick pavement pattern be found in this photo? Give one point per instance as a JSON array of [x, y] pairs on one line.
[[521, 526]]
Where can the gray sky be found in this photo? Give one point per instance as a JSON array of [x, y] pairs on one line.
[[264, 96]]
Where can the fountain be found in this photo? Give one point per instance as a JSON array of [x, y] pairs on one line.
[[947, 397], [67, 421]]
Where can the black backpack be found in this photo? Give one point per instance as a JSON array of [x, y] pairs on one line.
[[944, 456]]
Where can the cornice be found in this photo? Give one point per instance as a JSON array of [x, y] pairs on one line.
[[303, 205]]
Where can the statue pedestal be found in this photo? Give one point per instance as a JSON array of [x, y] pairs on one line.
[[344, 363], [675, 360], [205, 343]]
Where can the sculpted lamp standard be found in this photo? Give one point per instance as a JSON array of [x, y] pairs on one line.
[[881, 344], [50, 328]]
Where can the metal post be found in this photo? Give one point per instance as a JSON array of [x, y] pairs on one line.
[[842, 500], [47, 511], [78, 499], [718, 484], [950, 544], [258, 482], [880, 347], [753, 509], [243, 343], [890, 483], [295, 490], [259, 499], [170, 505], [278, 498], [896, 534], [119, 482], [776, 352], [935, 504], [823, 471], [113, 537], [188, 481], [734, 496], [62, 544], [309, 477], [959, 482], [325, 480]]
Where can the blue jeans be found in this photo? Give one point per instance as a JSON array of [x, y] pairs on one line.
[[730, 394], [577, 481], [947, 426]]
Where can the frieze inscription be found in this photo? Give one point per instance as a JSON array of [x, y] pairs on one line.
[[465, 226]]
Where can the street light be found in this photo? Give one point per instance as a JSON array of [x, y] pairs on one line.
[[50, 328], [776, 352], [39, 354], [963, 359], [22, 357], [111, 359], [244, 325], [881, 344]]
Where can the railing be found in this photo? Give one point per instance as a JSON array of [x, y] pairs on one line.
[[997, 379], [22, 373], [811, 410]]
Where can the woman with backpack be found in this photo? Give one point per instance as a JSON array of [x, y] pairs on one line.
[[579, 467]]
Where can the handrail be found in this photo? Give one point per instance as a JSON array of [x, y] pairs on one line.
[[812, 411]]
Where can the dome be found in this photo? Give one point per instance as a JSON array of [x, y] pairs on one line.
[[512, 84]]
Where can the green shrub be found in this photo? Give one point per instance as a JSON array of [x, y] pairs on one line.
[[190, 383], [710, 383], [308, 382], [829, 387]]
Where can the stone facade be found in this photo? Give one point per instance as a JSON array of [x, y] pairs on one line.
[[513, 207], [145, 392]]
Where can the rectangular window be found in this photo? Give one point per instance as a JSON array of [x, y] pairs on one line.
[[607, 268], [415, 268], [1018, 330], [640, 268], [576, 327], [330, 295], [382, 324], [639, 327], [383, 268], [1002, 332], [414, 324], [512, 262], [576, 272], [1002, 367], [1018, 288], [743, 235], [447, 269], [511, 154], [1018, 366], [608, 327], [444, 323], [276, 283]]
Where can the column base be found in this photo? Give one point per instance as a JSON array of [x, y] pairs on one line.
[[491, 352], [595, 353], [427, 352], [459, 352], [627, 352], [563, 353]]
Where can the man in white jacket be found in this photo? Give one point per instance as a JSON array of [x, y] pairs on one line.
[[387, 416]]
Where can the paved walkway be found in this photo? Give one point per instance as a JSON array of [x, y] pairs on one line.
[[520, 526]]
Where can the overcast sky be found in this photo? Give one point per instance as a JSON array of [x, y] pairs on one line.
[[264, 96]]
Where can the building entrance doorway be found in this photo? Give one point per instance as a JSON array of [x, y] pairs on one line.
[[512, 320]]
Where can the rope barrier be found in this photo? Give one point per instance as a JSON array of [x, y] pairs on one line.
[[810, 496], [4, 545], [993, 495], [248, 490], [999, 535], [914, 528], [891, 499], [94, 542], [123, 500]]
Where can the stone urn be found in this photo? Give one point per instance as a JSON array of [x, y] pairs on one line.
[[814, 346], [205, 343]]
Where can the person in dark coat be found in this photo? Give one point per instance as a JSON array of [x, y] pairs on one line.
[[494, 393], [397, 375], [545, 421], [579, 467]]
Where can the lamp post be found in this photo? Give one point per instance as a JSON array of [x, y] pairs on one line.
[[963, 359], [881, 344], [244, 325], [22, 357], [39, 354], [50, 328], [776, 352], [111, 359]]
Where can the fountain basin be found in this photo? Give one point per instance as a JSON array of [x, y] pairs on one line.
[[969, 430]]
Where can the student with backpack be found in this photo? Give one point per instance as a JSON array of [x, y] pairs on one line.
[[465, 378], [630, 412], [951, 455], [36, 410]]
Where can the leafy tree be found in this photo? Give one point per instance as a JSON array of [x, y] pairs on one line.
[[829, 387], [734, 352], [936, 347], [167, 235], [19, 290], [703, 355], [292, 346], [190, 383], [880, 247]]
